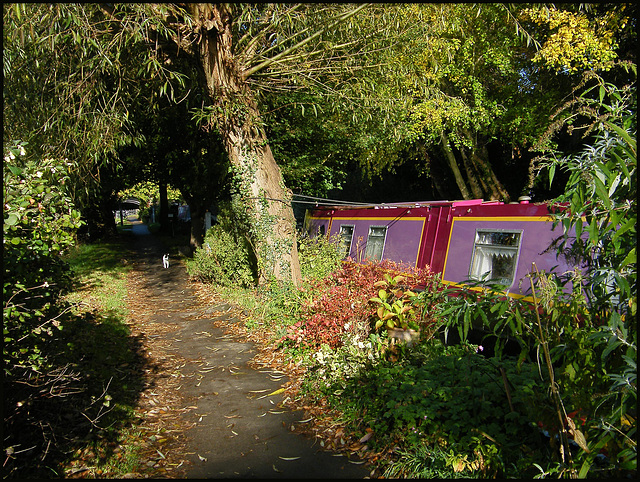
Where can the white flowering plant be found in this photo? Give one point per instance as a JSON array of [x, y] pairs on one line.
[[333, 368], [39, 225]]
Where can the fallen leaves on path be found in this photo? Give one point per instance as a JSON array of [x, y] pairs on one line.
[[161, 429], [320, 422]]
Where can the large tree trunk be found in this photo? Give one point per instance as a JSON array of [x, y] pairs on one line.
[[100, 223], [453, 164], [498, 191], [476, 184], [478, 156], [197, 229], [197, 209], [265, 197]]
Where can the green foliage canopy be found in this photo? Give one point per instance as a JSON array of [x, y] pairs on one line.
[[71, 75]]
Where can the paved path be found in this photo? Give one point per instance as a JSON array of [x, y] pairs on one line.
[[239, 431]]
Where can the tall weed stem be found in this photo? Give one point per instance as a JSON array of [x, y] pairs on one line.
[[555, 393]]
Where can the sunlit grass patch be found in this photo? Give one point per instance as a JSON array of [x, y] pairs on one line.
[[99, 460], [103, 256], [100, 274], [97, 344]]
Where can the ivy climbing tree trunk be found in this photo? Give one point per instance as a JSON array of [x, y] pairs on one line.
[[264, 196]]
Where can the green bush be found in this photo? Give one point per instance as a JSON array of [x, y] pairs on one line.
[[39, 225], [331, 369], [319, 256], [592, 332], [435, 397], [222, 259], [582, 338], [144, 214], [226, 257]]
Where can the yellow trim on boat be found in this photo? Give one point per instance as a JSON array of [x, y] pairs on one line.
[[478, 288]]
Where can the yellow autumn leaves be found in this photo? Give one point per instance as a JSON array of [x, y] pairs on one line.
[[574, 42]]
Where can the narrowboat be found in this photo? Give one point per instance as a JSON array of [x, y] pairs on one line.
[[470, 240]]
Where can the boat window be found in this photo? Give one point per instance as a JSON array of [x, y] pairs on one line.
[[346, 233], [375, 242], [495, 255]]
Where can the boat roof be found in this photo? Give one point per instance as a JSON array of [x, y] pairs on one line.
[[410, 204]]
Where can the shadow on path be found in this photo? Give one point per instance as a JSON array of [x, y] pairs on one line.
[[238, 429]]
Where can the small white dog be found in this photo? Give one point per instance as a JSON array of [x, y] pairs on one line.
[[165, 261]]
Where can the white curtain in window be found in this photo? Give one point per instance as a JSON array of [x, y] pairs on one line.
[[498, 262], [346, 233], [375, 243]]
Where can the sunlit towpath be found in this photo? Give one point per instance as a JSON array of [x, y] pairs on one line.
[[234, 424]]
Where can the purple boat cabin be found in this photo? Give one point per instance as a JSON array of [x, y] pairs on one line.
[[463, 240]]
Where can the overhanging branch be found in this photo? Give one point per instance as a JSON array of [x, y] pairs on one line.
[[247, 73]]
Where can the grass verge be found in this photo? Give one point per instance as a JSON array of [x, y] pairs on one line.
[[100, 273], [76, 418]]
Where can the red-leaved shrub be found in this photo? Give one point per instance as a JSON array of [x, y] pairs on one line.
[[343, 304]]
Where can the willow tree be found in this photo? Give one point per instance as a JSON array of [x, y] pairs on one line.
[[234, 45], [88, 80], [240, 49], [71, 81]]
